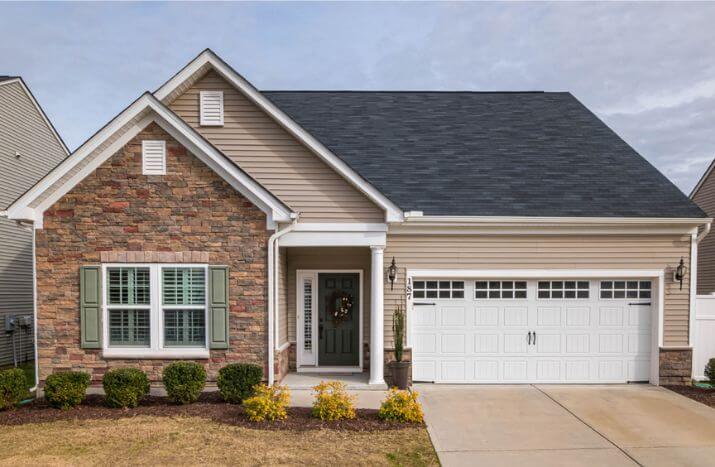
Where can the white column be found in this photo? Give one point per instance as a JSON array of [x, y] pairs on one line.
[[377, 317]]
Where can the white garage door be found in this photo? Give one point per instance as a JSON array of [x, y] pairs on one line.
[[529, 331]]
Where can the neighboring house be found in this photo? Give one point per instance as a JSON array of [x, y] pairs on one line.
[[29, 148], [215, 222], [704, 196]]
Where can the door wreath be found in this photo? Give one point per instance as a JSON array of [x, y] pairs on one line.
[[340, 306]]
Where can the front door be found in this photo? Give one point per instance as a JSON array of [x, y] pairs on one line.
[[339, 319]]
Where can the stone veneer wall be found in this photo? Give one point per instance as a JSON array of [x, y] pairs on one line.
[[117, 214], [676, 366]]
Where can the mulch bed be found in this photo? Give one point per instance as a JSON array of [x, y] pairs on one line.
[[703, 395], [209, 406]]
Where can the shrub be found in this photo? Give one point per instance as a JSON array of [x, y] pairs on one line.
[[13, 387], [66, 390], [401, 406], [710, 370], [332, 402], [268, 403], [237, 380], [125, 387], [184, 381]]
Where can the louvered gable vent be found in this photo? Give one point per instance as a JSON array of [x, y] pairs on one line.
[[211, 103], [153, 157]]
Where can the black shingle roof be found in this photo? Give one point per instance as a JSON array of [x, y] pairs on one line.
[[486, 154]]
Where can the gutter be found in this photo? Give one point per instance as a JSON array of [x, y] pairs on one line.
[[273, 294]]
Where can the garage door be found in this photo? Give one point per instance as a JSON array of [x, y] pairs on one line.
[[531, 331]]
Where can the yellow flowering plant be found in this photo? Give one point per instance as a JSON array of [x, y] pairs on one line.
[[332, 402], [268, 403], [401, 406]]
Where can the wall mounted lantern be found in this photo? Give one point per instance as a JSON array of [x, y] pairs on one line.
[[392, 273], [679, 273]]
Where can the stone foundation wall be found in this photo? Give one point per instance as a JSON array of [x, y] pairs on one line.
[[676, 366], [118, 214], [282, 362]]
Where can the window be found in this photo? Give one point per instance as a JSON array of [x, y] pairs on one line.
[[211, 108], [625, 289], [156, 310], [153, 157], [563, 289], [499, 289], [438, 289]]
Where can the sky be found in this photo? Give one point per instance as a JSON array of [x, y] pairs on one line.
[[646, 69]]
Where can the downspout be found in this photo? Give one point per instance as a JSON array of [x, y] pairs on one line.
[[273, 294]]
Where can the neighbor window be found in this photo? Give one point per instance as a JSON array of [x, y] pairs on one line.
[[160, 308], [563, 289]]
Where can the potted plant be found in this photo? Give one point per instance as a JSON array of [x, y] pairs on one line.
[[399, 369]]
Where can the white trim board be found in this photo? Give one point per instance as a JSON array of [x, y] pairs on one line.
[[314, 365], [155, 111], [38, 108], [209, 58]]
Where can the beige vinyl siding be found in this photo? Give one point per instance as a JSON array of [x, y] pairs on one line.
[[283, 298], [545, 252], [328, 258], [705, 198], [276, 159], [23, 130]]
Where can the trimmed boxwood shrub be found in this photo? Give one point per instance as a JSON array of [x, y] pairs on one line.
[[13, 387], [236, 381], [184, 381], [67, 389], [125, 387], [710, 370]]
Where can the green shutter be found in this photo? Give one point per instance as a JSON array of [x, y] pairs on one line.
[[218, 307], [90, 307]]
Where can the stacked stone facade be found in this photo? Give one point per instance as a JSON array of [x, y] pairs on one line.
[[117, 214], [676, 366]]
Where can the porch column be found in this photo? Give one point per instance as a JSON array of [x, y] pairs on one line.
[[377, 317]]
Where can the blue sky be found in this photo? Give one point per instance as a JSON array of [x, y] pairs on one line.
[[646, 69]]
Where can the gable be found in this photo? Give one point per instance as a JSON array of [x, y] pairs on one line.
[[24, 132], [704, 192], [32, 205], [275, 158]]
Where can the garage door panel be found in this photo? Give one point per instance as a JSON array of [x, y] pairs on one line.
[[487, 334]]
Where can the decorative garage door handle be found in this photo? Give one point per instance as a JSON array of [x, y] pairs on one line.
[[639, 304], [424, 304], [528, 338]]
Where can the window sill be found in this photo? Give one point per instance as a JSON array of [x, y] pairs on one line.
[[167, 354]]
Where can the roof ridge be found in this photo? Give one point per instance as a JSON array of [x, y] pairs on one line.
[[364, 91]]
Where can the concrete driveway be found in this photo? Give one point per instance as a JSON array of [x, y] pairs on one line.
[[620, 425]]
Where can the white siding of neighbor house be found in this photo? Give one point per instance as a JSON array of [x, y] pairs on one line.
[[23, 131]]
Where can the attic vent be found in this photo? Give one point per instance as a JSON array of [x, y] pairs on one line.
[[153, 157], [211, 106]]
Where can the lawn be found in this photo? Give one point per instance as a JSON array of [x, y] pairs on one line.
[[160, 440]]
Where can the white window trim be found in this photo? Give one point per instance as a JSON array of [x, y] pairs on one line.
[[202, 120], [156, 317], [163, 157]]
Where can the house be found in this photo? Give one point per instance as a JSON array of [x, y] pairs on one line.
[[29, 148], [215, 222], [703, 195]]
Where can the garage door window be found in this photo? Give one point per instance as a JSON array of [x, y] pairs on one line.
[[625, 289], [438, 289], [499, 289], [564, 289]]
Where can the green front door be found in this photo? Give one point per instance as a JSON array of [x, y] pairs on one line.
[[339, 319]]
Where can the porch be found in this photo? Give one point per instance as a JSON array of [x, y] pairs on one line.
[[329, 319]]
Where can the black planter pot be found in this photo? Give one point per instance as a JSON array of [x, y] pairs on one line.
[[400, 372]]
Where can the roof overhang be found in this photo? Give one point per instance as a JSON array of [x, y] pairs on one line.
[[42, 113], [465, 225], [209, 60], [31, 206]]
